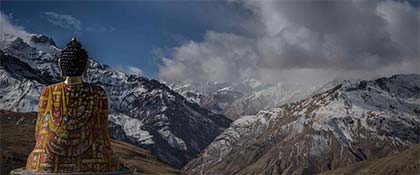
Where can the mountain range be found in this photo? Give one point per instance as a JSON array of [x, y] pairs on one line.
[[143, 112], [235, 99], [247, 127], [354, 121]]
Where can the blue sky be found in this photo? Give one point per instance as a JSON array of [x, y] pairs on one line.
[[305, 41], [122, 33]]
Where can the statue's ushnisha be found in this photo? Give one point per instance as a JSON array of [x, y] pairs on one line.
[[72, 125]]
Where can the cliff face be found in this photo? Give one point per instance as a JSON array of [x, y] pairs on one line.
[[354, 121], [143, 112]]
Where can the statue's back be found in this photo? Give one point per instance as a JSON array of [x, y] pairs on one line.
[[72, 131], [72, 125]]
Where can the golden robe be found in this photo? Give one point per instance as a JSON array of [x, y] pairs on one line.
[[72, 131]]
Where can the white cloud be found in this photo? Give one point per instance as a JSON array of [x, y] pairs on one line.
[[63, 20], [6, 27], [305, 41], [220, 57], [134, 71], [71, 22], [130, 70]]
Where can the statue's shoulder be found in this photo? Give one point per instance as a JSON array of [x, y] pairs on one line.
[[55, 85], [97, 89], [46, 90]]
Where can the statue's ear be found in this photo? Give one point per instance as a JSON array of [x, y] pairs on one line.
[[59, 67], [87, 64], [85, 76]]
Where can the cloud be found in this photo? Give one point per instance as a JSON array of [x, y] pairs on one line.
[[134, 70], [63, 20], [6, 27], [130, 70], [220, 57], [70, 22], [398, 17], [305, 41]]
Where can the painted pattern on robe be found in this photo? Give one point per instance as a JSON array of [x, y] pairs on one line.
[[72, 131]]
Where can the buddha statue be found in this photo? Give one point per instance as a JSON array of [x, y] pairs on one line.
[[72, 124]]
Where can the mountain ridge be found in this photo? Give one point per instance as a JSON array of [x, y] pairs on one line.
[[153, 116], [284, 129], [354, 121], [235, 99]]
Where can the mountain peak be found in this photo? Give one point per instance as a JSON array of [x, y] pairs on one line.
[[42, 39]]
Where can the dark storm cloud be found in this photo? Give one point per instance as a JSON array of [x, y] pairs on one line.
[[320, 39], [337, 34]]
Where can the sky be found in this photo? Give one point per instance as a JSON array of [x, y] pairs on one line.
[[301, 41], [119, 34]]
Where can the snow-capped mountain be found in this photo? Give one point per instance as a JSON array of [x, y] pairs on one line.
[[354, 121], [142, 112], [244, 98]]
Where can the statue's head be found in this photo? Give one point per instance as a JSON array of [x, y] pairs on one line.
[[73, 60]]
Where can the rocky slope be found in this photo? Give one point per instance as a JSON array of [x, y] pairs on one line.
[[354, 121], [17, 141], [406, 162], [143, 112]]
